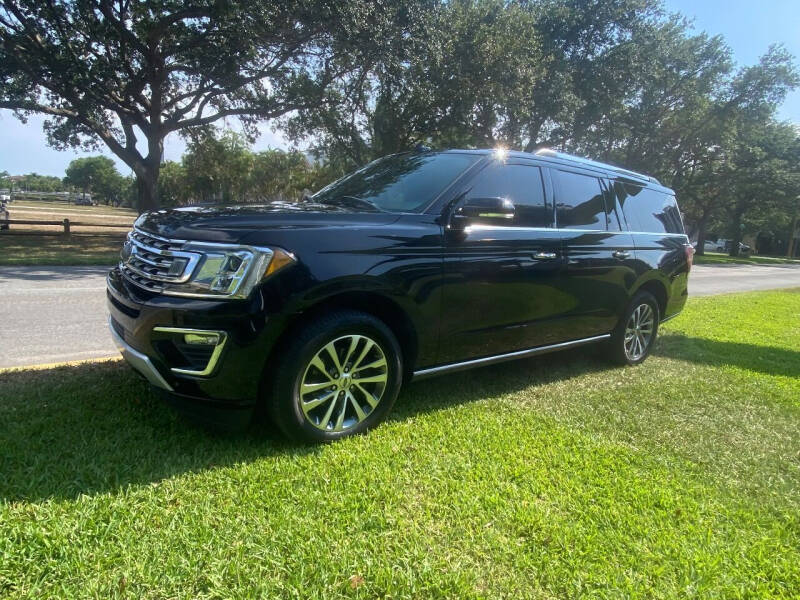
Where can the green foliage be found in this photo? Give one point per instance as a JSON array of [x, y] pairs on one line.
[[557, 477], [618, 80], [217, 167], [119, 73], [614, 80], [32, 182], [99, 175], [221, 167]]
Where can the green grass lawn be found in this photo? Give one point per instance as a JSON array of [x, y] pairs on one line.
[[716, 258], [559, 477], [75, 249]]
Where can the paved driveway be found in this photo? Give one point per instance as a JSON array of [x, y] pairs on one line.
[[721, 279], [53, 314], [58, 314]]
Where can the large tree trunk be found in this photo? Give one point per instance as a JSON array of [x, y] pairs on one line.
[[701, 235], [147, 189]]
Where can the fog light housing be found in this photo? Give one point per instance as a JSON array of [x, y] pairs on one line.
[[202, 339], [193, 352]]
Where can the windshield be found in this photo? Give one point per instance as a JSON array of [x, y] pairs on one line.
[[397, 183]]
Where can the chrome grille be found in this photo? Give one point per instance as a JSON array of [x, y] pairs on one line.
[[151, 261]]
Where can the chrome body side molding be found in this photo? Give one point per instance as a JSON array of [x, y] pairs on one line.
[[497, 358]]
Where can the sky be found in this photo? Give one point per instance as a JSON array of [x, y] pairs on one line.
[[748, 27]]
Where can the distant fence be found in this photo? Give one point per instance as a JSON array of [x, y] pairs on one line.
[[65, 223]]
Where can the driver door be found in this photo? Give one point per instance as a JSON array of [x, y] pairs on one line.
[[503, 279]]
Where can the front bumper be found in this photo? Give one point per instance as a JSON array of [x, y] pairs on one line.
[[138, 361], [141, 321]]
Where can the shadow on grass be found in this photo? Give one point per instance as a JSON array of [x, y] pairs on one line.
[[763, 359], [94, 428]]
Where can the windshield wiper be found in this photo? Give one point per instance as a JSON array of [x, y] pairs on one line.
[[351, 201]]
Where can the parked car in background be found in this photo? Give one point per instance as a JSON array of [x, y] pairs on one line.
[[83, 201], [744, 249], [418, 264], [707, 246]]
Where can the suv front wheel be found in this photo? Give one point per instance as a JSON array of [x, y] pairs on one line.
[[634, 336], [338, 377]]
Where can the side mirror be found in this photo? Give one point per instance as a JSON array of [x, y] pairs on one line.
[[490, 210]]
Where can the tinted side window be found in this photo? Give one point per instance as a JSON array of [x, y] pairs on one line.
[[522, 185], [579, 202], [649, 210]]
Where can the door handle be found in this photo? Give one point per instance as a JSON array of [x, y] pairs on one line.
[[621, 254], [545, 255]]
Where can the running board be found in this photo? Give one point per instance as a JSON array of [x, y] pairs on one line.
[[497, 358]]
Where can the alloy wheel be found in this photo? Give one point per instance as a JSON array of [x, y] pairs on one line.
[[639, 332], [343, 383]]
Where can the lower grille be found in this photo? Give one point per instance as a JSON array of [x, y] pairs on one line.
[[116, 326]]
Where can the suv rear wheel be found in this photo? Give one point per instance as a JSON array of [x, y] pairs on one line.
[[634, 336], [338, 377]]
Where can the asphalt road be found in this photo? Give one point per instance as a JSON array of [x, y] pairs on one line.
[[58, 314], [53, 314]]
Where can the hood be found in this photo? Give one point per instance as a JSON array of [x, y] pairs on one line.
[[232, 224]]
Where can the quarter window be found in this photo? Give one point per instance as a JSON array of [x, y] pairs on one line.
[[522, 184], [579, 202], [648, 210]]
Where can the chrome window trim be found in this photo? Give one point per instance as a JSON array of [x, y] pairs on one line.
[[215, 355], [496, 358]]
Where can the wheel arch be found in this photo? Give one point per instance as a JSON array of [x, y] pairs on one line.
[[659, 292], [372, 303]]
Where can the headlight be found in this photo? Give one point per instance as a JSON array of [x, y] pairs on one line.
[[227, 271], [197, 269]]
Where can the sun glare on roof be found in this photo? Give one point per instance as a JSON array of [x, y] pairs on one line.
[[500, 153]]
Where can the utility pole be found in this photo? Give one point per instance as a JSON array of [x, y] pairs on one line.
[[793, 232]]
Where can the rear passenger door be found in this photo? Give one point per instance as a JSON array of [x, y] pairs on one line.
[[599, 252]]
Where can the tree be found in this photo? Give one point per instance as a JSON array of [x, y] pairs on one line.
[[37, 183], [218, 167], [483, 73], [764, 177], [279, 175], [174, 189], [122, 72], [96, 174]]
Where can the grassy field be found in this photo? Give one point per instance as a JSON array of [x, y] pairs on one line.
[[75, 249], [552, 478], [717, 258], [44, 245]]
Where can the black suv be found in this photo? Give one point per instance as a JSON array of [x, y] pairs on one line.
[[417, 264]]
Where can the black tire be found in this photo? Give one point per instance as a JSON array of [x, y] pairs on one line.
[[340, 328], [616, 346]]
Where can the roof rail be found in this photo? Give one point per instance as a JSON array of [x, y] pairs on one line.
[[594, 163]]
